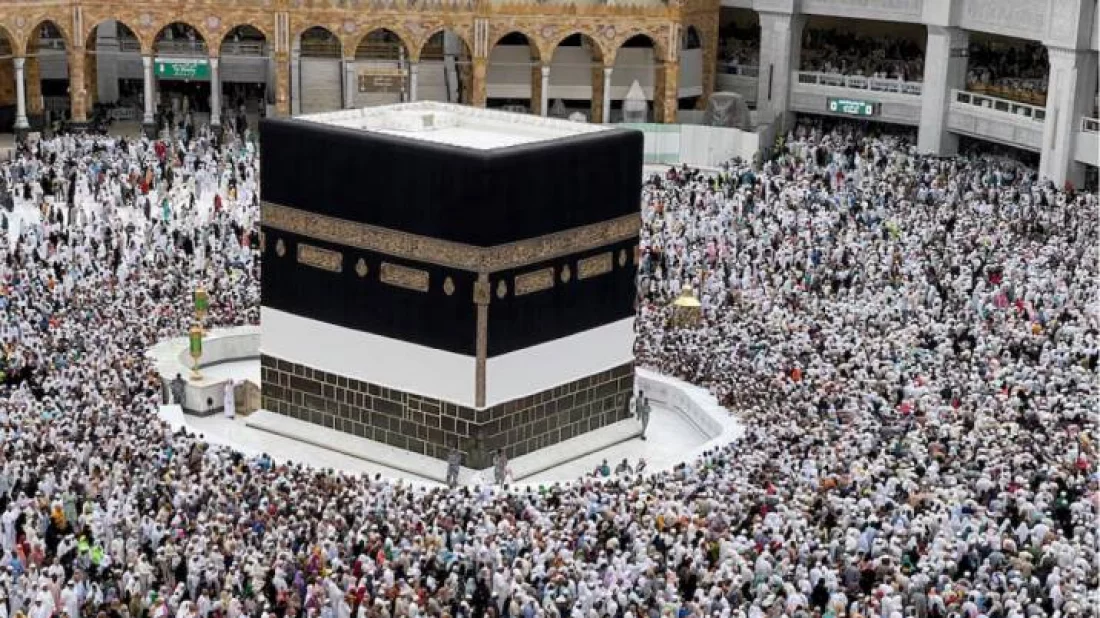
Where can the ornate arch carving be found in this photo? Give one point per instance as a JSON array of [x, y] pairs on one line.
[[497, 33], [6, 33], [460, 30], [143, 41], [598, 54], [352, 41], [298, 28], [35, 24], [211, 40], [660, 49], [229, 26]]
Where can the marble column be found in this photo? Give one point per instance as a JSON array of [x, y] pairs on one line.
[[148, 119], [295, 82], [1070, 87], [780, 55], [606, 103], [349, 83], [544, 91], [414, 74], [945, 61], [21, 124], [215, 94]]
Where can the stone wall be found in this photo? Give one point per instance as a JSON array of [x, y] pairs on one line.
[[432, 427], [7, 83]]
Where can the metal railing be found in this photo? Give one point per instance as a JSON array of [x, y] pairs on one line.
[[859, 82], [183, 48], [744, 71], [1090, 125], [1004, 106], [58, 44], [1032, 92], [244, 48], [322, 48], [190, 47]]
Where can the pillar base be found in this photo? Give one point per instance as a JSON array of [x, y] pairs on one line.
[[78, 127], [217, 130], [21, 133], [149, 129]]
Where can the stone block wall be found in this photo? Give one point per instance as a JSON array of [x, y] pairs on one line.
[[7, 83], [433, 427]]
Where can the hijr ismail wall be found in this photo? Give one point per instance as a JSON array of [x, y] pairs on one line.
[[435, 297]]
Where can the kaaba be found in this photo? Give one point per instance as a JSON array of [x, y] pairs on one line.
[[441, 277]]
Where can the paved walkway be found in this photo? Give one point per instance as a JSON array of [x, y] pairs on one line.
[[670, 437]]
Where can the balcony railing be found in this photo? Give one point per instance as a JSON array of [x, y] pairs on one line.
[[859, 82], [180, 48], [1005, 106], [1032, 92], [1090, 125], [54, 44], [243, 48], [744, 71], [329, 48]]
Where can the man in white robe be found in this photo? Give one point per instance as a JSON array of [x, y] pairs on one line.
[[230, 403]]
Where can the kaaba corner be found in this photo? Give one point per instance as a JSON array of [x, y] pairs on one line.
[[440, 277]]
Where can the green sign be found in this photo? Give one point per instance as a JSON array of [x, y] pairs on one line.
[[852, 107], [182, 68]]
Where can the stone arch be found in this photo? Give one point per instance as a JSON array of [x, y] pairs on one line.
[[515, 79], [41, 100], [423, 42], [202, 32], [599, 54], [361, 40], [6, 37], [532, 42], [431, 58], [146, 46], [317, 70], [576, 61], [34, 31], [216, 46], [660, 50], [296, 40], [691, 38]]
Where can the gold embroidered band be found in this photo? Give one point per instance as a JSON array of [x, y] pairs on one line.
[[325, 259], [404, 277], [446, 253], [594, 266], [534, 281]]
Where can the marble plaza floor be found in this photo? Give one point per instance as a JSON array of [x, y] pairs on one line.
[[671, 437]]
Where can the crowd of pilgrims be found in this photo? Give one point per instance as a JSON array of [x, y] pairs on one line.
[[909, 342]]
